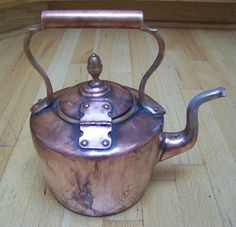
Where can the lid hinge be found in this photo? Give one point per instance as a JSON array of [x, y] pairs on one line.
[[95, 125]]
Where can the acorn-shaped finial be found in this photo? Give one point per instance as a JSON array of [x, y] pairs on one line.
[[94, 67]]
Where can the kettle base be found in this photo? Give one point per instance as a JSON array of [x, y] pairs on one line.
[[93, 213]]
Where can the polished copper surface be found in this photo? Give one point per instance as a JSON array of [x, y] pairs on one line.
[[99, 141], [98, 186], [91, 19]]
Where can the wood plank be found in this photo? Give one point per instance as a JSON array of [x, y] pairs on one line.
[[84, 47], [193, 25], [21, 79], [71, 219], [164, 171], [197, 197], [190, 47], [103, 46], [5, 151], [123, 224], [14, 33], [13, 52], [17, 180], [219, 70], [219, 161], [161, 205], [41, 202], [76, 73], [120, 71], [60, 63]]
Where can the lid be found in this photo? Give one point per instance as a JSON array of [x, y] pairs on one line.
[[116, 96], [95, 105]]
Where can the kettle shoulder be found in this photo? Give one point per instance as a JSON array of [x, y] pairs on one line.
[[54, 134]]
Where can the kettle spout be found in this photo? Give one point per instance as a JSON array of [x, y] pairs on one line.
[[178, 142]]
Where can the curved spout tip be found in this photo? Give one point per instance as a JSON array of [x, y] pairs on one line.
[[223, 92], [204, 97]]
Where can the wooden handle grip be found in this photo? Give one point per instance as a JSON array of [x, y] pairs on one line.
[[91, 19]]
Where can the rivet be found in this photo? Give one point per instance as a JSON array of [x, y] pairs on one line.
[[84, 143], [106, 106], [105, 143], [156, 109], [86, 105]]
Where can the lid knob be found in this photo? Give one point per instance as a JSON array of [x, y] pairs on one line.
[[94, 68]]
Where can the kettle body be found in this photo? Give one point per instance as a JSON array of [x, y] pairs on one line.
[[97, 182], [99, 141]]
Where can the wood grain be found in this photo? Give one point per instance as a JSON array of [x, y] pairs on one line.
[[16, 75], [161, 206], [196, 197], [197, 188], [20, 16], [123, 224]]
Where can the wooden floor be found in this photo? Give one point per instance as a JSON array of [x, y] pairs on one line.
[[197, 188]]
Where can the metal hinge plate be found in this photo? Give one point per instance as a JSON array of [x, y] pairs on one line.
[[95, 125]]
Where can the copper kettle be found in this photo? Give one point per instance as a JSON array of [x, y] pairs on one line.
[[99, 141]]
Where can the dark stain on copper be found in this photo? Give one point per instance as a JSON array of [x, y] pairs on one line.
[[83, 194], [84, 198]]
